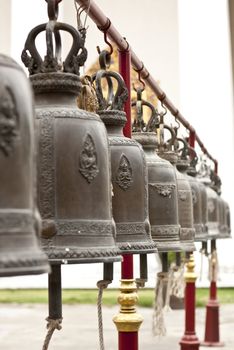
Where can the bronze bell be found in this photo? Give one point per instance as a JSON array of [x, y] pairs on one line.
[[185, 205], [200, 235], [162, 187], [19, 220], [199, 197], [227, 220], [224, 211], [212, 202], [128, 166], [74, 187]]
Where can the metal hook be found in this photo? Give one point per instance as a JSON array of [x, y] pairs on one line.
[[79, 10], [139, 77], [52, 9], [164, 112], [104, 29], [178, 125]]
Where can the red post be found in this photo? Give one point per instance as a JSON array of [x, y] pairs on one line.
[[192, 139], [127, 323], [189, 340], [212, 307]]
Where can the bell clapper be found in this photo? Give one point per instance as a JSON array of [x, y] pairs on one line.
[[140, 282], [55, 304]]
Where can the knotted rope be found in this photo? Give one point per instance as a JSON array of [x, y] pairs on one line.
[[213, 266], [178, 284], [103, 284], [158, 325], [202, 252], [51, 326], [169, 287]]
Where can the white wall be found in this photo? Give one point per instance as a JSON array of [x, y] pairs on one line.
[[5, 27], [206, 95]]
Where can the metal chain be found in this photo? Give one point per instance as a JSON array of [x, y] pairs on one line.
[[51, 326], [103, 284]]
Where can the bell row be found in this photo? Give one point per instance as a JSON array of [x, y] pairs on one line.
[[73, 188]]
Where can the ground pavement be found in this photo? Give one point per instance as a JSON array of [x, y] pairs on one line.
[[23, 327]]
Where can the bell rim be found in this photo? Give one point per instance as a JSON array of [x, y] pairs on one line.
[[172, 247], [16, 265], [24, 271], [137, 247], [82, 255], [58, 261], [188, 246]]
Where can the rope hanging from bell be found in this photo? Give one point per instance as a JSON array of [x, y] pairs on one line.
[[102, 284], [158, 325]]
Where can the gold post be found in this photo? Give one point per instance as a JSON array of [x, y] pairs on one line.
[[190, 275], [128, 320]]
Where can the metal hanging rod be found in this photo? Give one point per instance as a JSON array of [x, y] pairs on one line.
[[104, 24]]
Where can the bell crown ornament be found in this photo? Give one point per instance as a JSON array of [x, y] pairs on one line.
[[162, 187], [185, 208], [19, 219], [129, 172], [74, 189]]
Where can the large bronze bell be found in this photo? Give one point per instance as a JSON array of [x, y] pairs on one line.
[[163, 201], [19, 218], [227, 220], [224, 211], [185, 205], [74, 188], [212, 202], [187, 165], [200, 234], [128, 166]]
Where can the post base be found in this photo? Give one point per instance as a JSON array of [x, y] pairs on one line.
[[189, 342], [217, 344], [212, 324]]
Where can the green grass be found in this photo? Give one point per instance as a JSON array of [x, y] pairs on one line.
[[89, 296]]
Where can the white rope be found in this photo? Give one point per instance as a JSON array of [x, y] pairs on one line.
[[202, 252], [101, 286], [169, 286], [178, 281], [158, 325], [213, 267], [51, 326]]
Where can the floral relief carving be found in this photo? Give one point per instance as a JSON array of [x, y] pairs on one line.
[[124, 173], [210, 206], [8, 120], [194, 197], [165, 190], [182, 195], [88, 159]]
